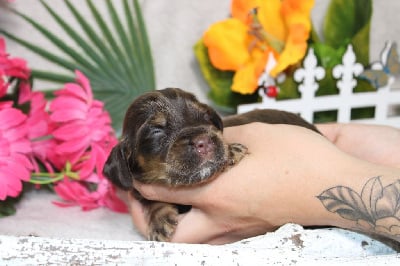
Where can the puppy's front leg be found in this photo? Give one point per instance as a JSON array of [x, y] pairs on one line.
[[236, 153], [163, 220]]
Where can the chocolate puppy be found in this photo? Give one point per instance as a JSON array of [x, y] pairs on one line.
[[170, 138]]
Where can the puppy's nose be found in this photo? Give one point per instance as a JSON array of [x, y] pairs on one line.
[[203, 145]]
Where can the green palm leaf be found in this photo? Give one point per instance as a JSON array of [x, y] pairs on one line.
[[115, 55]]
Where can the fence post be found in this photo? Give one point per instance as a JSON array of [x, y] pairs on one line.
[[307, 76], [346, 83]]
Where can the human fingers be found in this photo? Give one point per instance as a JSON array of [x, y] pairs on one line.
[[374, 143], [193, 227], [201, 226], [330, 130], [138, 215], [187, 195]]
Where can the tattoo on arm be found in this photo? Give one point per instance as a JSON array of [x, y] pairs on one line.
[[376, 209]]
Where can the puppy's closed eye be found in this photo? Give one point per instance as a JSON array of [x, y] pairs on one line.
[[157, 131]]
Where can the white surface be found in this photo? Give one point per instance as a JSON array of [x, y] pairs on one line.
[[290, 245], [38, 216]]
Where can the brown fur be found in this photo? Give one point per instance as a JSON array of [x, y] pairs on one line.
[[170, 138]]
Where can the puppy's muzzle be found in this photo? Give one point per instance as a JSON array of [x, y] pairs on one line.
[[196, 154], [202, 142], [205, 146]]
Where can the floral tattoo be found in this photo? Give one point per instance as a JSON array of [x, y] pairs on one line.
[[377, 208]]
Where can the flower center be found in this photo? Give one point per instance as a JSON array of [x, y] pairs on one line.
[[262, 37]]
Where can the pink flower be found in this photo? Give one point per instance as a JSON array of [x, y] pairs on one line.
[[40, 130], [80, 121], [15, 149], [94, 159], [71, 137], [77, 194], [3, 87], [3, 60], [83, 138], [13, 68]]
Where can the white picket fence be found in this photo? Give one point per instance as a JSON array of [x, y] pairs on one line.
[[385, 100]]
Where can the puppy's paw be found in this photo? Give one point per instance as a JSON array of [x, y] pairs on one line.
[[236, 153], [163, 220]]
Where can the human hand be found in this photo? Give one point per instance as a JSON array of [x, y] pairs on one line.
[[374, 143], [285, 170]]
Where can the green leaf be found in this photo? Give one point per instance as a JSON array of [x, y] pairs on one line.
[[289, 88], [40, 51], [344, 20], [327, 56], [327, 86], [51, 76], [220, 82], [143, 43], [7, 207], [314, 38], [115, 55], [360, 44]]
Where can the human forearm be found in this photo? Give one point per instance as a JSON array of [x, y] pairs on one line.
[[290, 175], [363, 198], [374, 143], [318, 184]]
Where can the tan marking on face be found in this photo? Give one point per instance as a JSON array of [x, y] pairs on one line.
[[159, 119], [141, 160]]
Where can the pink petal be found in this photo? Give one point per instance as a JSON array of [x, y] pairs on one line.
[[5, 105], [86, 167], [84, 81], [68, 115], [16, 133], [64, 204], [3, 186], [11, 117], [74, 192], [113, 202], [24, 92], [68, 102], [16, 171], [68, 190], [2, 46], [72, 89], [71, 131], [3, 87], [22, 160], [73, 145], [21, 146]]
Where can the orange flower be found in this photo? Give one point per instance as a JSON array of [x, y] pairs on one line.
[[243, 42]]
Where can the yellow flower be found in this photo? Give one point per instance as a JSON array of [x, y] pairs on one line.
[[243, 42]]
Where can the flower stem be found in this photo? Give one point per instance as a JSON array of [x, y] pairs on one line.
[[47, 137], [45, 178], [262, 35], [49, 178]]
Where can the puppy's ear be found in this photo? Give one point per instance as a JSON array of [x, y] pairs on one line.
[[215, 119], [116, 168]]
